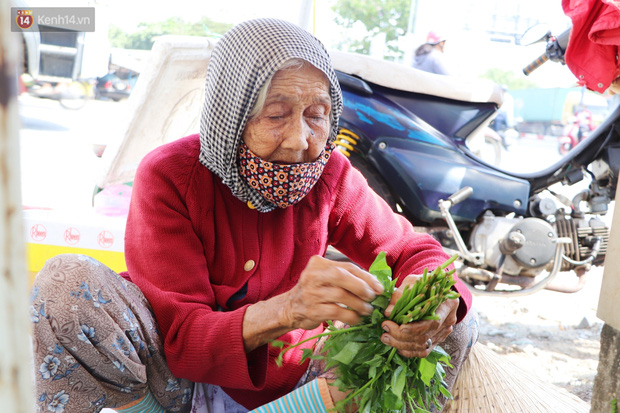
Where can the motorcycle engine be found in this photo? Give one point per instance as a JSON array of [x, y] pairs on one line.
[[536, 239], [583, 234], [535, 249]]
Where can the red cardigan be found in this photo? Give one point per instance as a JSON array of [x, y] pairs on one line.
[[593, 42], [188, 240]]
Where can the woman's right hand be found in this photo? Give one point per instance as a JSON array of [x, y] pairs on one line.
[[329, 290]]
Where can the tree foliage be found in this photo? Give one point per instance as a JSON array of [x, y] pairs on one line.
[[145, 36], [378, 16], [508, 78]]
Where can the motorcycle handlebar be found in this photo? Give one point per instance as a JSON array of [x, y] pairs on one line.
[[535, 64], [562, 40], [556, 47]]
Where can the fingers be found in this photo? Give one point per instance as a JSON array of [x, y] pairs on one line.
[[332, 311], [416, 346], [411, 339], [395, 297], [370, 280], [447, 311], [409, 280], [330, 290], [350, 288], [345, 275], [343, 299]]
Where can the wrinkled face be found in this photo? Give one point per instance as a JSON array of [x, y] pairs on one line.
[[294, 124]]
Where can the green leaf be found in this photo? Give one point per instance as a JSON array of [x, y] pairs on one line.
[[277, 343], [348, 353], [391, 401], [306, 354], [407, 363], [365, 407], [439, 355], [381, 301], [380, 269], [445, 392], [421, 391], [427, 371], [377, 316], [441, 351], [439, 371], [398, 381], [377, 361], [372, 372]]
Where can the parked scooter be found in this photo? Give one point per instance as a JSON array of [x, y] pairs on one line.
[[71, 94], [408, 131], [578, 127]]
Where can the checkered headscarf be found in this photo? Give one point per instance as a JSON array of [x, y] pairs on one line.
[[242, 60]]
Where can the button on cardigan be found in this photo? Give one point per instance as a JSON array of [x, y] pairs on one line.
[[189, 242]]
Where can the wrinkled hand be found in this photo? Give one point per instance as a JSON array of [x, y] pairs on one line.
[[329, 290], [411, 339]]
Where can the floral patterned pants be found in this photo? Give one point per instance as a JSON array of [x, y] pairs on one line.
[[95, 341]]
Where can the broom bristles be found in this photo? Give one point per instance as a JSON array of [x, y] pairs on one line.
[[489, 384]]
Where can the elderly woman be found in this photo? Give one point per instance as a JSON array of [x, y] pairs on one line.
[[225, 241]]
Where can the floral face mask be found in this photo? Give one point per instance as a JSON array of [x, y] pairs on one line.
[[282, 185]]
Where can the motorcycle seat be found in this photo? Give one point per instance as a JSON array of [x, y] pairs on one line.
[[408, 79]]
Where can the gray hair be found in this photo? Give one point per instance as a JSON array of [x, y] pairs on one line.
[[291, 64]]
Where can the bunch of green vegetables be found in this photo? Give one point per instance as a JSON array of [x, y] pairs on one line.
[[377, 378]]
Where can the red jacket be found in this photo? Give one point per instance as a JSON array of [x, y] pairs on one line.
[[593, 42], [188, 240]]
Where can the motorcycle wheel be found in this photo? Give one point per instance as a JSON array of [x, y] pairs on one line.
[[375, 180], [564, 148]]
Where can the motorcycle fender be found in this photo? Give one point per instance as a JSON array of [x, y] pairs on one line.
[[420, 174]]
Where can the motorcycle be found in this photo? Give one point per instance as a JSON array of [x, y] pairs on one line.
[[410, 134], [578, 127]]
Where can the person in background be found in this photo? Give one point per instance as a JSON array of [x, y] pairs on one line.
[[505, 119], [225, 247], [429, 56]]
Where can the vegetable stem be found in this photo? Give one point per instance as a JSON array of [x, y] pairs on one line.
[[376, 380], [352, 395], [391, 355], [324, 334]]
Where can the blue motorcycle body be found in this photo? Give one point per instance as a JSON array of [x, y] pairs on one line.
[[507, 227], [417, 143]]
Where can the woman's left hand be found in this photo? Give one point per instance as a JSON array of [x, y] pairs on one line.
[[412, 339]]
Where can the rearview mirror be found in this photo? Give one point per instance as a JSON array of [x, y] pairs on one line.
[[535, 34]]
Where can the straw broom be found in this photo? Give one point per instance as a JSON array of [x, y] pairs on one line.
[[489, 384]]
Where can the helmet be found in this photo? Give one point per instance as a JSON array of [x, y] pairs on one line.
[[434, 38]]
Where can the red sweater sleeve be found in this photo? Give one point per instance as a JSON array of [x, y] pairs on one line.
[[361, 218], [167, 261]]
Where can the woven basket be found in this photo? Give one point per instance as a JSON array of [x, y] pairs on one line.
[[489, 384]]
